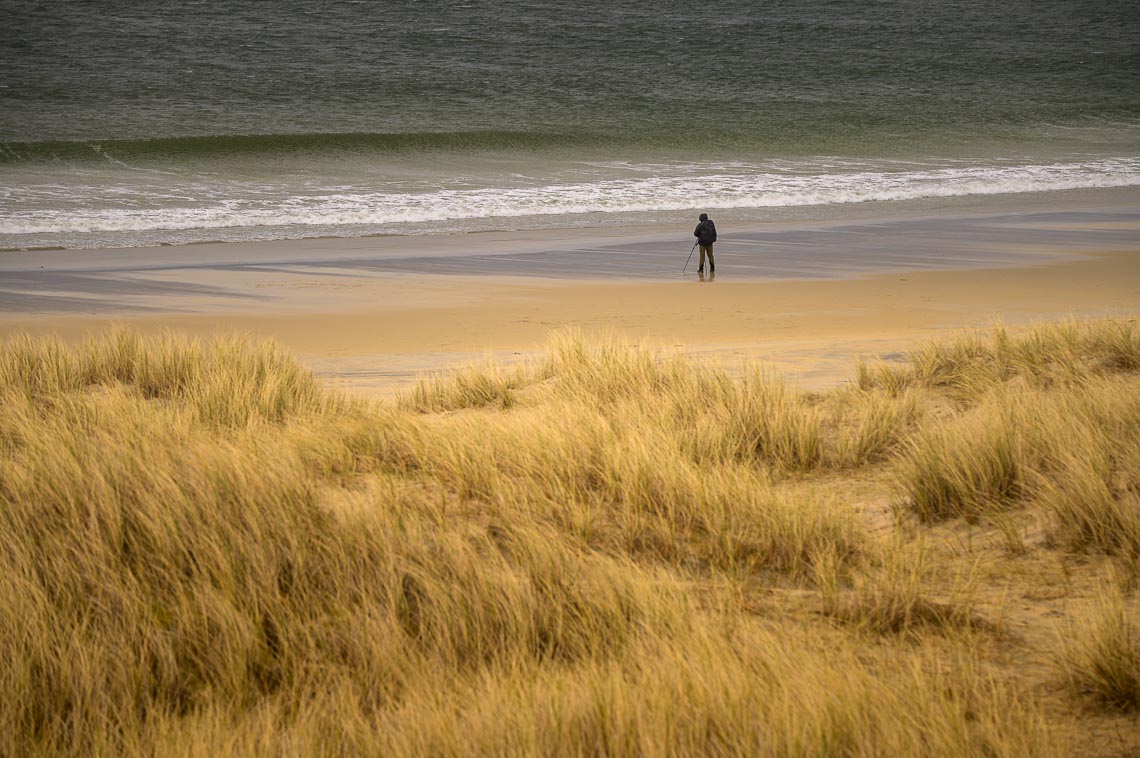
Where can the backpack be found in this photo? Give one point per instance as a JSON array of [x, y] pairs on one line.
[[708, 232]]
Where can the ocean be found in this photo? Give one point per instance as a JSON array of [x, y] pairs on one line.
[[147, 123]]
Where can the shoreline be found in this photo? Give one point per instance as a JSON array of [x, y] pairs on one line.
[[744, 219], [806, 299], [291, 228]]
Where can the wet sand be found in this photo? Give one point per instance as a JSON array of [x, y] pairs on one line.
[[806, 298]]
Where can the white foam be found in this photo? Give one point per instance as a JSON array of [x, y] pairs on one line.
[[696, 186]]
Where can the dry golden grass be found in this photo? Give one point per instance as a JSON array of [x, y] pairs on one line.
[[473, 386], [1100, 655], [609, 551], [1044, 355]]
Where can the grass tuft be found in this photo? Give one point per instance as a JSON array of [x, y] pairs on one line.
[[892, 599], [231, 383], [474, 386], [963, 469], [1065, 353], [1100, 656]]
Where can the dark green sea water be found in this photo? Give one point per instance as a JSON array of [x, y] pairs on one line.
[[137, 122]]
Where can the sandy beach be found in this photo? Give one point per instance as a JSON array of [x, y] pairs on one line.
[[804, 297]]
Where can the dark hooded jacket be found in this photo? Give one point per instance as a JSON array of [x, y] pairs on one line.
[[705, 232]]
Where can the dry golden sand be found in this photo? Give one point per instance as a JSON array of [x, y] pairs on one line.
[[394, 327]]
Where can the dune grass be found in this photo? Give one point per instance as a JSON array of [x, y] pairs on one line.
[[1044, 355], [1071, 453], [607, 551], [474, 386], [1100, 654]]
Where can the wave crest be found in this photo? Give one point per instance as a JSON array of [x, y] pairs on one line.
[[12, 153]]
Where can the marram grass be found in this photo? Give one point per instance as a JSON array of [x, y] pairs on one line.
[[1100, 656], [608, 551]]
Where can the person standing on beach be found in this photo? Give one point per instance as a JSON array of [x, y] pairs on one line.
[[706, 236]]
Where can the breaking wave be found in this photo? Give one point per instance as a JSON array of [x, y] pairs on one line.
[[347, 210]]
